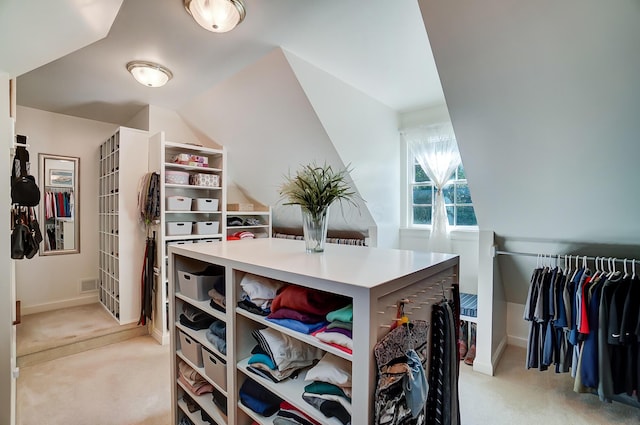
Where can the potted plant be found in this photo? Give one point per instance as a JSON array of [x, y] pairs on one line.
[[315, 188]]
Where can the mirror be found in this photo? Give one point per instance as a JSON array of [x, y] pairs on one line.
[[59, 213]]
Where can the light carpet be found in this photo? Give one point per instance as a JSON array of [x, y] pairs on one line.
[[127, 383], [516, 395]]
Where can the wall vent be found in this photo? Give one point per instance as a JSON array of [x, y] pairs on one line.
[[88, 285]]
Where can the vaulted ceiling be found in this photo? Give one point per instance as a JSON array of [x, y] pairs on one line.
[[380, 48]]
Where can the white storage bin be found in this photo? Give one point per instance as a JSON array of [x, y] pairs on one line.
[[206, 240], [204, 204], [176, 177], [179, 228], [191, 349], [206, 227], [179, 243], [196, 287], [178, 203], [215, 367]]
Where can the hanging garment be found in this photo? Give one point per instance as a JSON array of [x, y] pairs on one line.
[[443, 403], [390, 352]]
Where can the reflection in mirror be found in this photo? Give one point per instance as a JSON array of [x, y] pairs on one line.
[[59, 212]]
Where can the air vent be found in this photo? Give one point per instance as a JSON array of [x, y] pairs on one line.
[[88, 285]]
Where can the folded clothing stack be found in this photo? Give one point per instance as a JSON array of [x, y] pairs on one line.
[[194, 318], [258, 398], [330, 390], [338, 332], [217, 335], [192, 379], [304, 309], [258, 293]]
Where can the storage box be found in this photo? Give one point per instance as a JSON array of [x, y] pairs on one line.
[[204, 204], [215, 367], [239, 207], [179, 228], [202, 179], [191, 349], [179, 243], [192, 160], [176, 177], [178, 203], [206, 240], [196, 286], [206, 227]]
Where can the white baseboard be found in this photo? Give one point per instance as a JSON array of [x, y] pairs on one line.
[[497, 355], [489, 368], [163, 339], [73, 302], [484, 368], [517, 341]]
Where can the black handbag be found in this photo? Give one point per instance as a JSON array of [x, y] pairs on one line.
[[24, 190], [18, 238]]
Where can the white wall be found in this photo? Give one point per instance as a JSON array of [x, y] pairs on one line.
[[364, 132], [50, 282], [268, 126], [463, 243], [7, 309]]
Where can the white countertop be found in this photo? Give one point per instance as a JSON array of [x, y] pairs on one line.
[[354, 265]]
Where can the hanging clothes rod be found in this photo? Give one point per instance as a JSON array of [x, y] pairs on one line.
[[573, 256]]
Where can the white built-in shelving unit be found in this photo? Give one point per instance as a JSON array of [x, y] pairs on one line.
[[123, 161], [257, 222], [161, 154]]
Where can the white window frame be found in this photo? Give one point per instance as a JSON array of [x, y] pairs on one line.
[[409, 163]]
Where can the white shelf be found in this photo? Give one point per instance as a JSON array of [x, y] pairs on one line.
[[257, 226], [202, 373], [204, 306], [232, 213], [308, 339], [193, 212], [191, 237], [290, 390], [262, 420], [206, 403], [468, 319], [193, 148], [192, 168], [191, 186], [195, 417]]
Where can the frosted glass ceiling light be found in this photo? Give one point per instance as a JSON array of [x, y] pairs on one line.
[[149, 74], [216, 15]]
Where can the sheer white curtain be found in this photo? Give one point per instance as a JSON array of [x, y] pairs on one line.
[[436, 150]]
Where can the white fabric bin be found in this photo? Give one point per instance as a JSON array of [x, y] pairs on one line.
[[178, 203], [196, 287], [191, 349], [215, 367], [179, 228], [204, 204], [206, 227]]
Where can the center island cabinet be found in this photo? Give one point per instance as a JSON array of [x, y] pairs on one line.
[[207, 284]]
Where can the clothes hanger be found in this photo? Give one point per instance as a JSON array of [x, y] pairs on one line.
[[633, 268], [626, 272]]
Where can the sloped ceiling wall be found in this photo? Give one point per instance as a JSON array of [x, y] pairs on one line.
[[50, 29], [281, 128], [544, 98]]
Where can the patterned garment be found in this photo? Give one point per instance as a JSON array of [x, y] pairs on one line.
[[390, 352]]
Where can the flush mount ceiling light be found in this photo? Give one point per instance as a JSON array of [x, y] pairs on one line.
[[149, 73], [216, 15]]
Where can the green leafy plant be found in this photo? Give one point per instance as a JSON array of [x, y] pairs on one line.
[[316, 187]]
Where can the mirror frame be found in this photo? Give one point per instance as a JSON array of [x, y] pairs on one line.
[[43, 173]]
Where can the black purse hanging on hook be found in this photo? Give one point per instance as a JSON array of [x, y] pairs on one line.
[[24, 190]]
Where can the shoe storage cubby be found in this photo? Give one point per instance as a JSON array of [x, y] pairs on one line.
[[122, 159], [371, 279]]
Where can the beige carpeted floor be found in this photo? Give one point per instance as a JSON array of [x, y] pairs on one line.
[[128, 383], [53, 328]]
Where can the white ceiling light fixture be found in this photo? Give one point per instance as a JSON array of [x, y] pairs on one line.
[[149, 74], [216, 15]]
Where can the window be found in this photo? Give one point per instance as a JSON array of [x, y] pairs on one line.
[[457, 198]]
